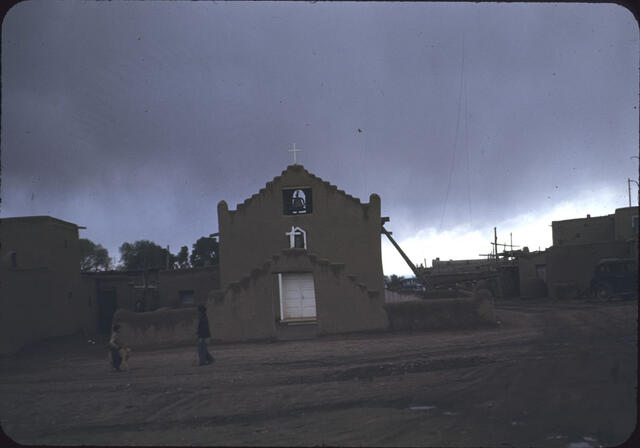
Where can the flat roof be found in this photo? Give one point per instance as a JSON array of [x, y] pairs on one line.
[[585, 218], [18, 219], [612, 215]]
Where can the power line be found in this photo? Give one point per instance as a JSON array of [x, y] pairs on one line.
[[466, 146], [455, 139]]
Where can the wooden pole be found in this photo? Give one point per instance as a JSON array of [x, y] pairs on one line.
[[404, 256]]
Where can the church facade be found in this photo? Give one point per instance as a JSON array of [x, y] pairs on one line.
[[299, 253]]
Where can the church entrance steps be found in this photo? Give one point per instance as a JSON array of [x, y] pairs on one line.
[[294, 330]]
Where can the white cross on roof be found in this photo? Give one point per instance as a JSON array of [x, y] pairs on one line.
[[294, 151]]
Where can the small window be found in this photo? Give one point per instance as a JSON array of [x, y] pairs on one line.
[[634, 222], [541, 272], [297, 201], [297, 238], [187, 298], [14, 260]]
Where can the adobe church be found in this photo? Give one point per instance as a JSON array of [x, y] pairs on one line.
[[298, 255]]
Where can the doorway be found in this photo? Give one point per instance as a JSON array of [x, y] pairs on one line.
[[297, 297], [107, 305]]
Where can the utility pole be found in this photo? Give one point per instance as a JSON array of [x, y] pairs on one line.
[[637, 184], [495, 243], [629, 188]]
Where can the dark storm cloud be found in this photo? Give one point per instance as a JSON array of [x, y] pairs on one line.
[[136, 118]]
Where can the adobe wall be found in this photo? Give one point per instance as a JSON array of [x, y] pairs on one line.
[[509, 282], [250, 308], [449, 313], [530, 285], [39, 304], [346, 305], [245, 311], [623, 229], [340, 229], [583, 230], [199, 280], [401, 296], [121, 284], [160, 328], [570, 268]]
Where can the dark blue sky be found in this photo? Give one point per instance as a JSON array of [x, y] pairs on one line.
[[135, 118]]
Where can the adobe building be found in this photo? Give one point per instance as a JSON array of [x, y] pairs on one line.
[[41, 293], [298, 256], [532, 271], [587, 230], [578, 245], [461, 266], [501, 276], [148, 290]]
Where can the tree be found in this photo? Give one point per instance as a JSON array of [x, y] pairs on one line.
[[394, 282], [145, 254], [204, 252], [93, 257], [183, 257]]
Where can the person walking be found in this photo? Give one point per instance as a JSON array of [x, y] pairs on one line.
[[204, 334], [115, 344]]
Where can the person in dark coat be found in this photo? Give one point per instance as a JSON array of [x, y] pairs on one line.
[[115, 344], [204, 334]]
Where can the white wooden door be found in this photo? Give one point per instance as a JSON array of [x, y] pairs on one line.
[[298, 296]]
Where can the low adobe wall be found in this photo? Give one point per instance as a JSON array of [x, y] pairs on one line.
[[160, 328], [429, 314], [400, 296]]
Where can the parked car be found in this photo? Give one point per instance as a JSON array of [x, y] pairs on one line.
[[615, 277]]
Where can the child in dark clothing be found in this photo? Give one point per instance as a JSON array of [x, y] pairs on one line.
[[115, 344], [203, 337]]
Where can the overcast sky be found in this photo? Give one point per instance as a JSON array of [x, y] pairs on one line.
[[135, 119]]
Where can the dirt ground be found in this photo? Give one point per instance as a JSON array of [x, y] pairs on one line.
[[557, 374]]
